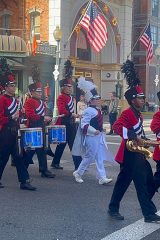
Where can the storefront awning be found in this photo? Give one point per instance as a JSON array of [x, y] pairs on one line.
[[12, 46], [15, 65]]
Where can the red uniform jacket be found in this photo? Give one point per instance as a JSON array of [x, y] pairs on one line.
[[65, 106], [35, 111], [8, 107], [155, 127], [128, 126]]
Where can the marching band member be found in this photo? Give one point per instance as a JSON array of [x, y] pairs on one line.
[[65, 105], [133, 165], [9, 124], [35, 113], [155, 127], [91, 125]]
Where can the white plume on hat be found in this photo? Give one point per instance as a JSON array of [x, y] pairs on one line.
[[87, 87]]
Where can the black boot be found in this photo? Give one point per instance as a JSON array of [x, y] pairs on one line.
[[115, 215], [152, 218], [56, 166], [27, 186], [47, 174]]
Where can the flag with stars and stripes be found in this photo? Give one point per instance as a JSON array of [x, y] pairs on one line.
[[95, 24], [146, 40]]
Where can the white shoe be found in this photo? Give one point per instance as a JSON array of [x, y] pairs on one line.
[[104, 180], [77, 177]]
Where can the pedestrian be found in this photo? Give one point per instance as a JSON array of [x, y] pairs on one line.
[[113, 111], [36, 118], [81, 105], [96, 150], [9, 124], [133, 165], [155, 127], [65, 105]]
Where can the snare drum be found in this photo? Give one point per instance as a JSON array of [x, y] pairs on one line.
[[31, 138], [56, 134]]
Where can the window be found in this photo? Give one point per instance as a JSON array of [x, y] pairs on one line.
[[6, 24], [155, 6], [83, 48], [154, 34], [35, 25]]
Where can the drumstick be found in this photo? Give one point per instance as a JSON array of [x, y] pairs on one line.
[[62, 115], [54, 118]]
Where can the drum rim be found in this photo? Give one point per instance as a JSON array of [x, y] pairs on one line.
[[31, 129], [56, 126]]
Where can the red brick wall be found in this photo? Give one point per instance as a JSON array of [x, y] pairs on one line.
[[44, 17], [20, 18], [17, 17]]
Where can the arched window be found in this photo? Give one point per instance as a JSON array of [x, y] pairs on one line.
[[35, 22], [83, 48], [6, 22]]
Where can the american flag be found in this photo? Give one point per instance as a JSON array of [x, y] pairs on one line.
[[146, 40], [95, 25]]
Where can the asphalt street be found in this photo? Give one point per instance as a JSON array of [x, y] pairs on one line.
[[62, 209]]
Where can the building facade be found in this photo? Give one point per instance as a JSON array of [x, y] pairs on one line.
[[104, 66], [144, 12], [37, 26], [22, 21], [12, 36], [39, 18]]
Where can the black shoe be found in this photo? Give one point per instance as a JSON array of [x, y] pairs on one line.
[[1, 185], [27, 186], [47, 174], [115, 215], [56, 166], [152, 218]]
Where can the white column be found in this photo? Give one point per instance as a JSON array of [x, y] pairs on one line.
[[126, 28], [54, 18]]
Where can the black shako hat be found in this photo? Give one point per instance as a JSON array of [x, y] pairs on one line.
[[35, 87], [67, 74], [6, 75], [134, 89]]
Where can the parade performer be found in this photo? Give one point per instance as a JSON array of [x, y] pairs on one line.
[[155, 127], [65, 105], [9, 124], [133, 165], [35, 113], [91, 125]]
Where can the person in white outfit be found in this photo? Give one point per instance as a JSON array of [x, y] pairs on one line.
[[81, 105], [94, 141]]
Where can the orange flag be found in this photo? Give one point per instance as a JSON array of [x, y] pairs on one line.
[[34, 46]]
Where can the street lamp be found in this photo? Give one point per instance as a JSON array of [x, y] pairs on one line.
[[156, 80], [118, 87], [57, 36]]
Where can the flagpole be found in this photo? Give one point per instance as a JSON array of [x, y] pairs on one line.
[[87, 7], [138, 39]]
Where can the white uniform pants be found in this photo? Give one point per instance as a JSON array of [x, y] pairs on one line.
[[96, 151]]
